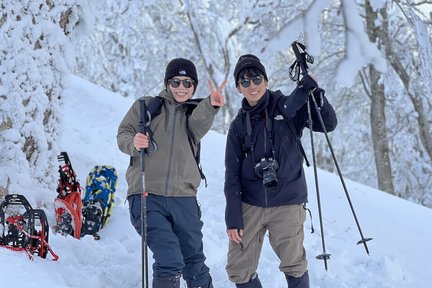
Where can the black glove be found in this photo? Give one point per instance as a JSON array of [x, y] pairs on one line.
[[307, 83]]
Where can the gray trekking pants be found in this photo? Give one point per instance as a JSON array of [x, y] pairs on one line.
[[285, 228]]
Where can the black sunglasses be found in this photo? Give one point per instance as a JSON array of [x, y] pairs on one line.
[[174, 82], [245, 82]]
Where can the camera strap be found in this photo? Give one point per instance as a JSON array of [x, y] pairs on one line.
[[248, 145], [269, 128]]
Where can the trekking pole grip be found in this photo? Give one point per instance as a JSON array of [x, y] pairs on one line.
[[141, 129]]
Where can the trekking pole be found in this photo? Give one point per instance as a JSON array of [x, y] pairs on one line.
[[363, 239], [300, 66], [144, 262], [324, 256], [302, 58]]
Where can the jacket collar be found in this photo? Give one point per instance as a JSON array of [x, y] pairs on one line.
[[259, 107]]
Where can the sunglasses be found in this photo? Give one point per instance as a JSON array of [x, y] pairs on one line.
[[245, 82], [174, 82]]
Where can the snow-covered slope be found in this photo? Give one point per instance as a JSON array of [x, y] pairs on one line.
[[399, 251]]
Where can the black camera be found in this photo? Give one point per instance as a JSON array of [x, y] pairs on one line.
[[266, 169]]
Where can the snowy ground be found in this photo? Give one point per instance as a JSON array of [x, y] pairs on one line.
[[399, 253]]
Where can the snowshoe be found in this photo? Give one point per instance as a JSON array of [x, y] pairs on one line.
[[39, 243], [24, 228], [68, 203], [14, 220], [69, 215], [98, 199]]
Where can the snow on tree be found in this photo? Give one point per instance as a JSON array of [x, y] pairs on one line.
[[36, 53], [134, 41]]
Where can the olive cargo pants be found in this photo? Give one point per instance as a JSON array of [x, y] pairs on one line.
[[286, 234]]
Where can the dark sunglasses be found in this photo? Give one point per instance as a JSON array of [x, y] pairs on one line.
[[174, 82], [245, 82]]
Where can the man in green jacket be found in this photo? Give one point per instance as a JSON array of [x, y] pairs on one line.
[[172, 176]]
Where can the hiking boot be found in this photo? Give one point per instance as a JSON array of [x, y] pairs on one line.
[[208, 285], [254, 282], [300, 282], [167, 282]]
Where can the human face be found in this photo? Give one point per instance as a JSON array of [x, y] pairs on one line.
[[181, 93], [254, 92]]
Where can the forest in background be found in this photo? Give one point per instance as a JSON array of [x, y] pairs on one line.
[[373, 58]]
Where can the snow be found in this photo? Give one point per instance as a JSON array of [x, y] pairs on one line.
[[399, 250], [359, 51]]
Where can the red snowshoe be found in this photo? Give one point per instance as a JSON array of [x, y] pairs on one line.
[[68, 204], [24, 228]]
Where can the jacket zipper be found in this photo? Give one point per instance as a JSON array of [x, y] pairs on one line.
[[265, 153], [171, 152]]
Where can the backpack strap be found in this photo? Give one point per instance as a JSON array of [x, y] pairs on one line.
[[197, 157], [154, 107], [298, 140], [191, 105], [244, 124]]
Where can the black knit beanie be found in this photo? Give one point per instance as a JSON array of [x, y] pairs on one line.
[[248, 61], [181, 67]]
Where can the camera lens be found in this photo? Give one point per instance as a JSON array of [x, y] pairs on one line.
[[270, 179], [266, 169]]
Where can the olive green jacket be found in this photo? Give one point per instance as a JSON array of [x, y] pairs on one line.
[[171, 170]]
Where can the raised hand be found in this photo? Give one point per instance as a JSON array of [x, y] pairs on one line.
[[216, 98], [308, 83]]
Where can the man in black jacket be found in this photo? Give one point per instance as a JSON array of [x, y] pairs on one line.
[[265, 185]]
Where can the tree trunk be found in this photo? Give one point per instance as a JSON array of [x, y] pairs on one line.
[[377, 112], [379, 132]]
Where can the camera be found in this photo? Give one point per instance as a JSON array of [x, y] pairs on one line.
[[266, 169]]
